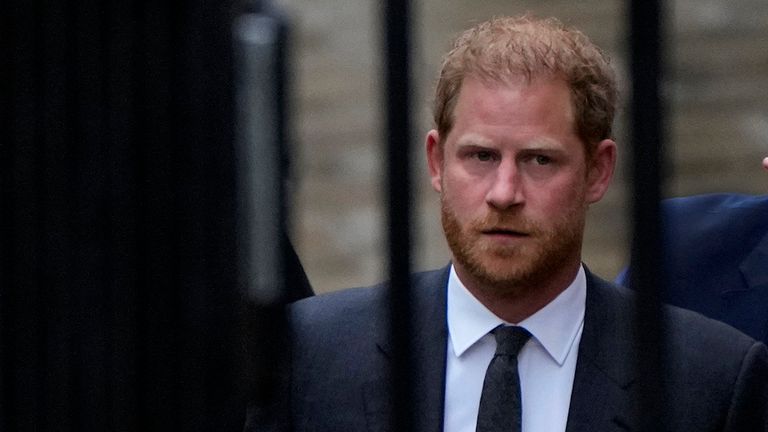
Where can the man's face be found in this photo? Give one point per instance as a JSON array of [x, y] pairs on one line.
[[514, 183]]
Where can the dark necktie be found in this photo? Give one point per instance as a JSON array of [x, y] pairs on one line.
[[500, 406]]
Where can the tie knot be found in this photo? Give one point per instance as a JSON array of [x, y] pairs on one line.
[[510, 339]]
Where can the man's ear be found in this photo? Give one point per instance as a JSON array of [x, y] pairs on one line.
[[601, 170], [434, 159]]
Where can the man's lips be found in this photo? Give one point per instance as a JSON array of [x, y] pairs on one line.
[[504, 232]]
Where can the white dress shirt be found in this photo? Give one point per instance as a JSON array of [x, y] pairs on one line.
[[546, 363]]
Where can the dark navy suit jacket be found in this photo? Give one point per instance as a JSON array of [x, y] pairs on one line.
[[335, 375], [716, 258]]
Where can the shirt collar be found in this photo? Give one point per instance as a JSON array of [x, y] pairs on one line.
[[555, 326]]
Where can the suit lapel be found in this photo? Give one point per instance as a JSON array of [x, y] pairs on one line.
[[604, 374], [429, 341]]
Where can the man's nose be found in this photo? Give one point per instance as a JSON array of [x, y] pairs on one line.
[[507, 188]]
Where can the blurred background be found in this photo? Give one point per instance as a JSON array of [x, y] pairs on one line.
[[717, 121]]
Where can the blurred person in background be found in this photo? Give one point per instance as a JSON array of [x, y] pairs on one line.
[[715, 250]]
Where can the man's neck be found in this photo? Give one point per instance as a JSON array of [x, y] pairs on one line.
[[516, 303]]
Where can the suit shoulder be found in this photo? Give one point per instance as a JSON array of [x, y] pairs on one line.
[[717, 202], [353, 305], [689, 335], [336, 305], [704, 337], [715, 210]]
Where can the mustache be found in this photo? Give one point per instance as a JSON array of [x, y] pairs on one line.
[[505, 221]]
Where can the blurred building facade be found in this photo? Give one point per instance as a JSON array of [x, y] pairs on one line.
[[717, 120]]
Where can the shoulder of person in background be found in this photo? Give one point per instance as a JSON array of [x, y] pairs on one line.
[[715, 257], [698, 207]]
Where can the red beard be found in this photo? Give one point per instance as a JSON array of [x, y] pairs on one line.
[[510, 267]]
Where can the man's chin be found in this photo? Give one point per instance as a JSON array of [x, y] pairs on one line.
[[500, 273]]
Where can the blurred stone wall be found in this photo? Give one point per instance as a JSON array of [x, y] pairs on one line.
[[716, 89]]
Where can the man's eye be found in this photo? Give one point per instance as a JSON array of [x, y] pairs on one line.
[[483, 156], [543, 160]]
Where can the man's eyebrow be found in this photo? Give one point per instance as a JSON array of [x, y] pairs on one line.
[[542, 149], [536, 144], [543, 144], [473, 140]]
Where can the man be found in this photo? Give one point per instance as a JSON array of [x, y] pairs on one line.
[[522, 147], [716, 258]]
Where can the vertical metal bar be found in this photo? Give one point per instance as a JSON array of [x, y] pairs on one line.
[[647, 163], [270, 272], [259, 176], [396, 28]]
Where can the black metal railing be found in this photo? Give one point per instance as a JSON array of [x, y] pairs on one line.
[[647, 162], [397, 93]]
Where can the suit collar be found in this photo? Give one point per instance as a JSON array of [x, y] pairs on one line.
[[555, 326]]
